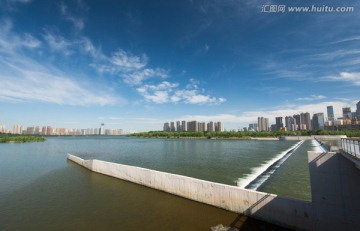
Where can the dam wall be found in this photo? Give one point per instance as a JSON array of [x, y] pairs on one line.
[[335, 191], [286, 212], [319, 137]]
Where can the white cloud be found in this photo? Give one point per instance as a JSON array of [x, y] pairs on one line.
[[76, 21], [29, 41], [312, 97], [9, 41], [166, 92], [137, 77], [50, 89], [24, 79], [157, 93], [58, 43], [352, 77], [194, 97], [127, 61], [87, 47], [158, 97]]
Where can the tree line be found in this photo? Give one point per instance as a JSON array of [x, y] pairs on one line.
[[243, 134], [20, 138]]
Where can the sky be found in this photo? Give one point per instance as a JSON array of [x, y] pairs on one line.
[[137, 64]]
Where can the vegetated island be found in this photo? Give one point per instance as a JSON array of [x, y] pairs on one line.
[[20, 139], [242, 134]]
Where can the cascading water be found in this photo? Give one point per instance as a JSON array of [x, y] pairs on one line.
[[260, 174]]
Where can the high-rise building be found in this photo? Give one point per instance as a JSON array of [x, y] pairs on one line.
[[183, 126], [172, 126], [30, 130], [279, 123], [201, 126], [192, 126], [330, 113], [289, 123], [253, 127], [263, 124], [17, 129], [211, 127], [166, 127], [37, 130], [297, 121], [102, 129], [3, 129], [305, 121], [219, 127], [318, 121], [358, 110], [178, 126], [49, 131], [346, 113]]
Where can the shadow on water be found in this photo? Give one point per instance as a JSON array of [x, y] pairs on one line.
[[74, 198]]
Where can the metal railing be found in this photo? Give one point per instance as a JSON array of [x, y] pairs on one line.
[[351, 146]]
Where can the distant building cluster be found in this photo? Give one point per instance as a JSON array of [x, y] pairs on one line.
[[48, 130], [194, 126], [304, 121]]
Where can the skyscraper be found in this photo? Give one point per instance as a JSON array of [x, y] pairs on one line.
[[330, 113], [17, 129], [358, 110], [166, 127], [178, 126], [263, 124], [183, 126], [172, 126], [192, 126], [318, 121], [102, 129], [201, 126], [289, 123], [219, 127], [211, 127], [279, 123], [297, 122], [346, 113], [305, 121]]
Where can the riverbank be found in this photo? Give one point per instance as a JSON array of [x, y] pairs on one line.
[[21, 139]]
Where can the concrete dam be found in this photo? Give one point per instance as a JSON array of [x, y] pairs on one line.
[[334, 181]]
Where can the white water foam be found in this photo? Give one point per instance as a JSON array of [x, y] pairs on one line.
[[257, 171], [317, 147]]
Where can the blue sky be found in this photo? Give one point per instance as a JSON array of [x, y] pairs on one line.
[[137, 64]]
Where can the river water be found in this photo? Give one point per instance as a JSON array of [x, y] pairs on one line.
[[41, 190]]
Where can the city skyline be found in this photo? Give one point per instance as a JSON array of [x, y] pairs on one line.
[[301, 121], [134, 65]]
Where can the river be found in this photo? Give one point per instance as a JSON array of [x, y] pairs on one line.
[[41, 190]]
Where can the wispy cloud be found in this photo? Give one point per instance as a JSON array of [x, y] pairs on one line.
[[126, 61], [23, 79], [351, 77], [57, 43], [136, 78], [9, 41], [11, 5], [311, 98], [78, 22], [46, 87], [131, 69]]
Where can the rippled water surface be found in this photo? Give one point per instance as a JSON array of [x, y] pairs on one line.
[[41, 190]]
